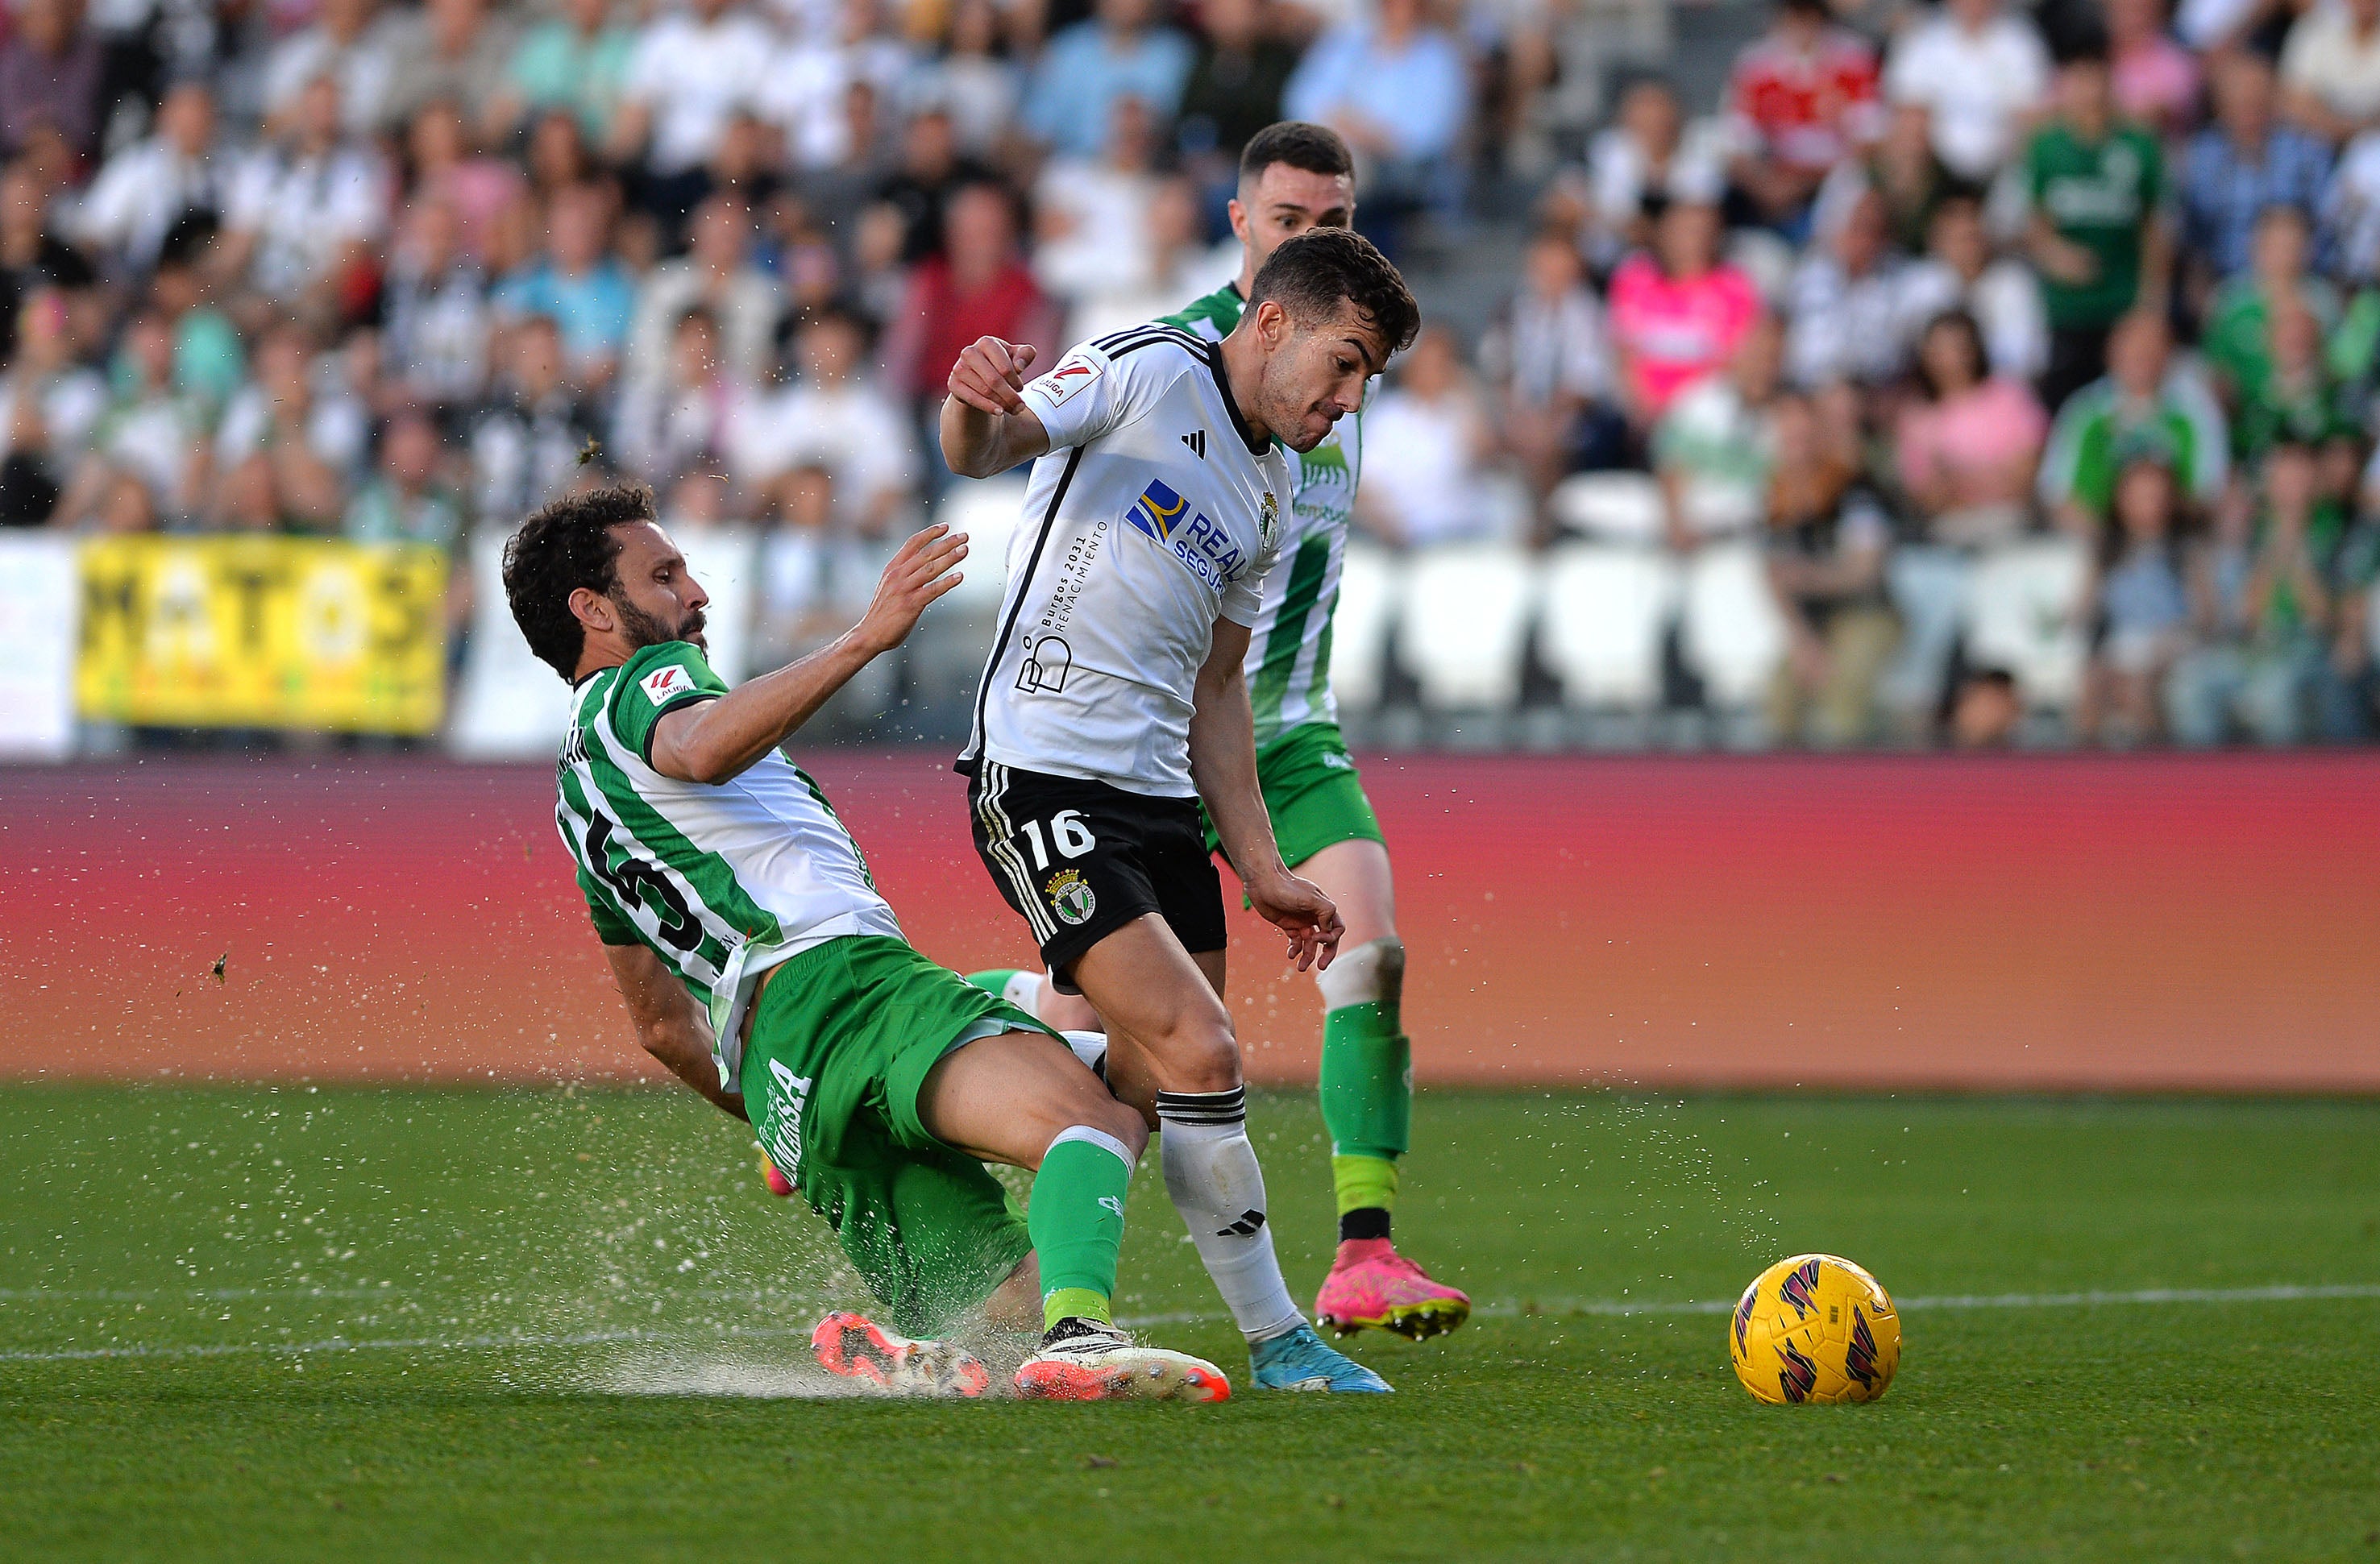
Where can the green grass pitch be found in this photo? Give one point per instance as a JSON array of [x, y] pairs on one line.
[[290, 1323]]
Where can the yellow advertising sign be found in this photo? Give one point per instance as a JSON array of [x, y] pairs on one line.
[[263, 632]]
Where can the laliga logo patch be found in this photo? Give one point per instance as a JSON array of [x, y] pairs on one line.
[[1067, 379], [663, 682], [1071, 898]]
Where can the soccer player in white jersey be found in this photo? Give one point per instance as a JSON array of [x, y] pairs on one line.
[[1295, 176], [762, 968], [1114, 701]]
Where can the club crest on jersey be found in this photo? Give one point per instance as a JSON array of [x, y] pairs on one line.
[[663, 682], [1269, 522], [1071, 898], [1067, 379], [1167, 519]]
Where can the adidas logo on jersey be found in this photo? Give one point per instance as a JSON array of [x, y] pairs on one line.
[[1161, 514], [1196, 441]]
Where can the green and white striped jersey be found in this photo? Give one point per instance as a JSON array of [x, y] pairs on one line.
[[1289, 650], [720, 881]]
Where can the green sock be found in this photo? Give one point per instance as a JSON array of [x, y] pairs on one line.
[[1366, 1102], [1076, 1219], [993, 982]]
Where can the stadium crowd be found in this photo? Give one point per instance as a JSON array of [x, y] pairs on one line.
[[1929, 284]]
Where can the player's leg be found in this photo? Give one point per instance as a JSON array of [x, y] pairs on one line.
[[1033, 993]]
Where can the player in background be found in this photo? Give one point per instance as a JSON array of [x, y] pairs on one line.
[[762, 968], [1115, 700], [1294, 178]]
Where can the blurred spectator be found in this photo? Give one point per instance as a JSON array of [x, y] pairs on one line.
[[1553, 366], [349, 42], [456, 50], [979, 286], [1801, 99], [2241, 164], [531, 437], [2138, 604], [1648, 151], [835, 418], [2096, 231], [690, 415], [50, 71], [2264, 608], [149, 430], [307, 205], [2330, 69], [1846, 302], [1091, 214], [2234, 337], [1714, 449], [1826, 539], [932, 167], [2293, 399], [436, 309], [577, 285], [2144, 405], [811, 90], [1901, 170], [1425, 445], [688, 72], [1177, 266], [315, 445], [1980, 72], [32, 257], [1985, 710], [48, 406], [971, 81], [1677, 310], [1120, 52], [1562, 54], [716, 273], [143, 190], [407, 500], [1236, 85], [209, 360], [1959, 272], [1969, 449], [577, 59], [1395, 86], [816, 577], [482, 190], [2156, 79]]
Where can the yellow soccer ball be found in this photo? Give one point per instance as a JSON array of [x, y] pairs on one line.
[[1814, 1328]]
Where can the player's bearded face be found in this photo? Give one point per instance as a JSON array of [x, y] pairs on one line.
[[1317, 377], [653, 630]]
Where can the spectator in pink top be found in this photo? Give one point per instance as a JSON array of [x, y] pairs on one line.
[[1969, 448], [1677, 310], [2156, 79]]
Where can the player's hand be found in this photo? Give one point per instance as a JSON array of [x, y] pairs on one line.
[[989, 373], [1299, 909], [919, 573]]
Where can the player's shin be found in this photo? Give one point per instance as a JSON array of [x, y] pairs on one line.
[[1211, 1172], [1076, 1221], [1367, 1083]]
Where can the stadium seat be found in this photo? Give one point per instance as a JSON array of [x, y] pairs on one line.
[[1600, 625], [987, 513], [2021, 616], [1731, 631], [1465, 623], [1369, 584], [1612, 507]]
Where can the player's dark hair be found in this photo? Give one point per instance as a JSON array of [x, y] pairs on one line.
[[567, 545], [1310, 275], [1315, 149]]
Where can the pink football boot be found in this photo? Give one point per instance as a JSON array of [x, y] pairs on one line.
[[1372, 1286]]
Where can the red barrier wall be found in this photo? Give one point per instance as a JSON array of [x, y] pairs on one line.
[[2059, 922]]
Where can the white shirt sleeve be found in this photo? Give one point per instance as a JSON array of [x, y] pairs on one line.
[[1087, 393]]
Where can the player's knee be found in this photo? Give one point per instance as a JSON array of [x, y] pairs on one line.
[[1201, 1053]]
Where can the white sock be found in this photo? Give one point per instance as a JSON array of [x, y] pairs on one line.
[[1023, 989], [1091, 1048], [1211, 1172]]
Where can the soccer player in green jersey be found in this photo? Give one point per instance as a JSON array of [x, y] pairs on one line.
[[1295, 176], [762, 968]]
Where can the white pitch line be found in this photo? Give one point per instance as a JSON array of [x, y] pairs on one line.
[[1502, 1309]]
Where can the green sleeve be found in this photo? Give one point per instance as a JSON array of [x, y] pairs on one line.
[[656, 681], [2353, 344], [2152, 171]]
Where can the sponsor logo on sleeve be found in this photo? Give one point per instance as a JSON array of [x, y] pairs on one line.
[[1068, 378], [663, 682]]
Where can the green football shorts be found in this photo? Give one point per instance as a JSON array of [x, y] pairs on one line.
[[839, 1049], [1313, 793]]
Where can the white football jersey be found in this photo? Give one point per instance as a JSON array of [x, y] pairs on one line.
[[1154, 514]]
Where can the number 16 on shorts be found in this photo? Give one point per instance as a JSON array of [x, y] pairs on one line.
[[1069, 893]]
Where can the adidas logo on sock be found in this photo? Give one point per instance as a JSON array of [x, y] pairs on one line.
[[1245, 1227]]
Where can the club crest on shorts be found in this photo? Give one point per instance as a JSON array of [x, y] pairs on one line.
[[1070, 897]]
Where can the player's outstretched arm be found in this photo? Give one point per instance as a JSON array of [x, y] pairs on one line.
[[1224, 764], [717, 739], [669, 1026], [986, 426]]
